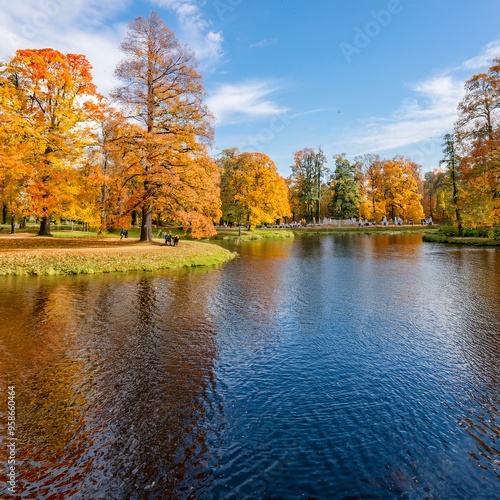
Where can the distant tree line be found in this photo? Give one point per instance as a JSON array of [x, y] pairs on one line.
[[368, 188]]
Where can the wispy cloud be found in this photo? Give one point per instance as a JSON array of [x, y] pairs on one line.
[[82, 27], [206, 43], [429, 113], [237, 102], [483, 60], [264, 43]]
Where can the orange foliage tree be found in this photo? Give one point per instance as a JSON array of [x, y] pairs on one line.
[[253, 192], [17, 150], [391, 188], [436, 198], [478, 135], [112, 170], [57, 105], [401, 189], [163, 92]]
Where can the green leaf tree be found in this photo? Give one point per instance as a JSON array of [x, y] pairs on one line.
[[346, 196], [308, 175]]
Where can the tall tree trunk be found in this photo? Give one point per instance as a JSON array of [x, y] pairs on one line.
[[458, 215], [12, 223], [146, 224], [44, 227], [455, 196], [4, 213]]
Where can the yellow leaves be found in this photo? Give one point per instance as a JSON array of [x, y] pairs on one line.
[[252, 190], [392, 189]]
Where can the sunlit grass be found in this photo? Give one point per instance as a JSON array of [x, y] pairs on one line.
[[440, 238], [259, 234], [54, 261], [78, 234], [256, 234], [350, 230]]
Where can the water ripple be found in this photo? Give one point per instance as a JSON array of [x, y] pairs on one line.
[[328, 368]]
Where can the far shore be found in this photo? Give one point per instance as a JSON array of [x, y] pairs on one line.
[[317, 230]]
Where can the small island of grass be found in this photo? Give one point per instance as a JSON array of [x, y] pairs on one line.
[[28, 255]]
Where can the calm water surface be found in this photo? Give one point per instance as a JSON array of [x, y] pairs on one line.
[[340, 367]]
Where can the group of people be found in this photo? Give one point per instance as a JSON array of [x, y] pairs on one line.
[[171, 240], [366, 222], [398, 221]]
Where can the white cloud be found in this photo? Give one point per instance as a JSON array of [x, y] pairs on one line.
[[264, 43], [233, 103], [483, 61], [206, 43], [80, 27], [430, 113]]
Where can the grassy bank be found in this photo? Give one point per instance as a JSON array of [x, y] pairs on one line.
[[256, 234], [53, 256], [353, 230], [456, 240], [260, 234]]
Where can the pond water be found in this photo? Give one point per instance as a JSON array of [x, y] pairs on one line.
[[333, 367]]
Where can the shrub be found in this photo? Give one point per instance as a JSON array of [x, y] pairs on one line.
[[495, 233], [448, 230], [475, 232]]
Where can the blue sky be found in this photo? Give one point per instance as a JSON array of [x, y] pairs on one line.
[[351, 76]]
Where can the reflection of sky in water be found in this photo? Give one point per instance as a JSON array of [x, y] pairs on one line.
[[354, 366]]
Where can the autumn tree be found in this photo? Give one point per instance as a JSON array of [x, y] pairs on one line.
[[346, 196], [58, 105], [16, 153], [436, 195], [111, 171], [293, 199], [401, 189], [163, 92], [390, 188], [371, 168], [252, 190], [429, 197], [478, 146], [308, 175]]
